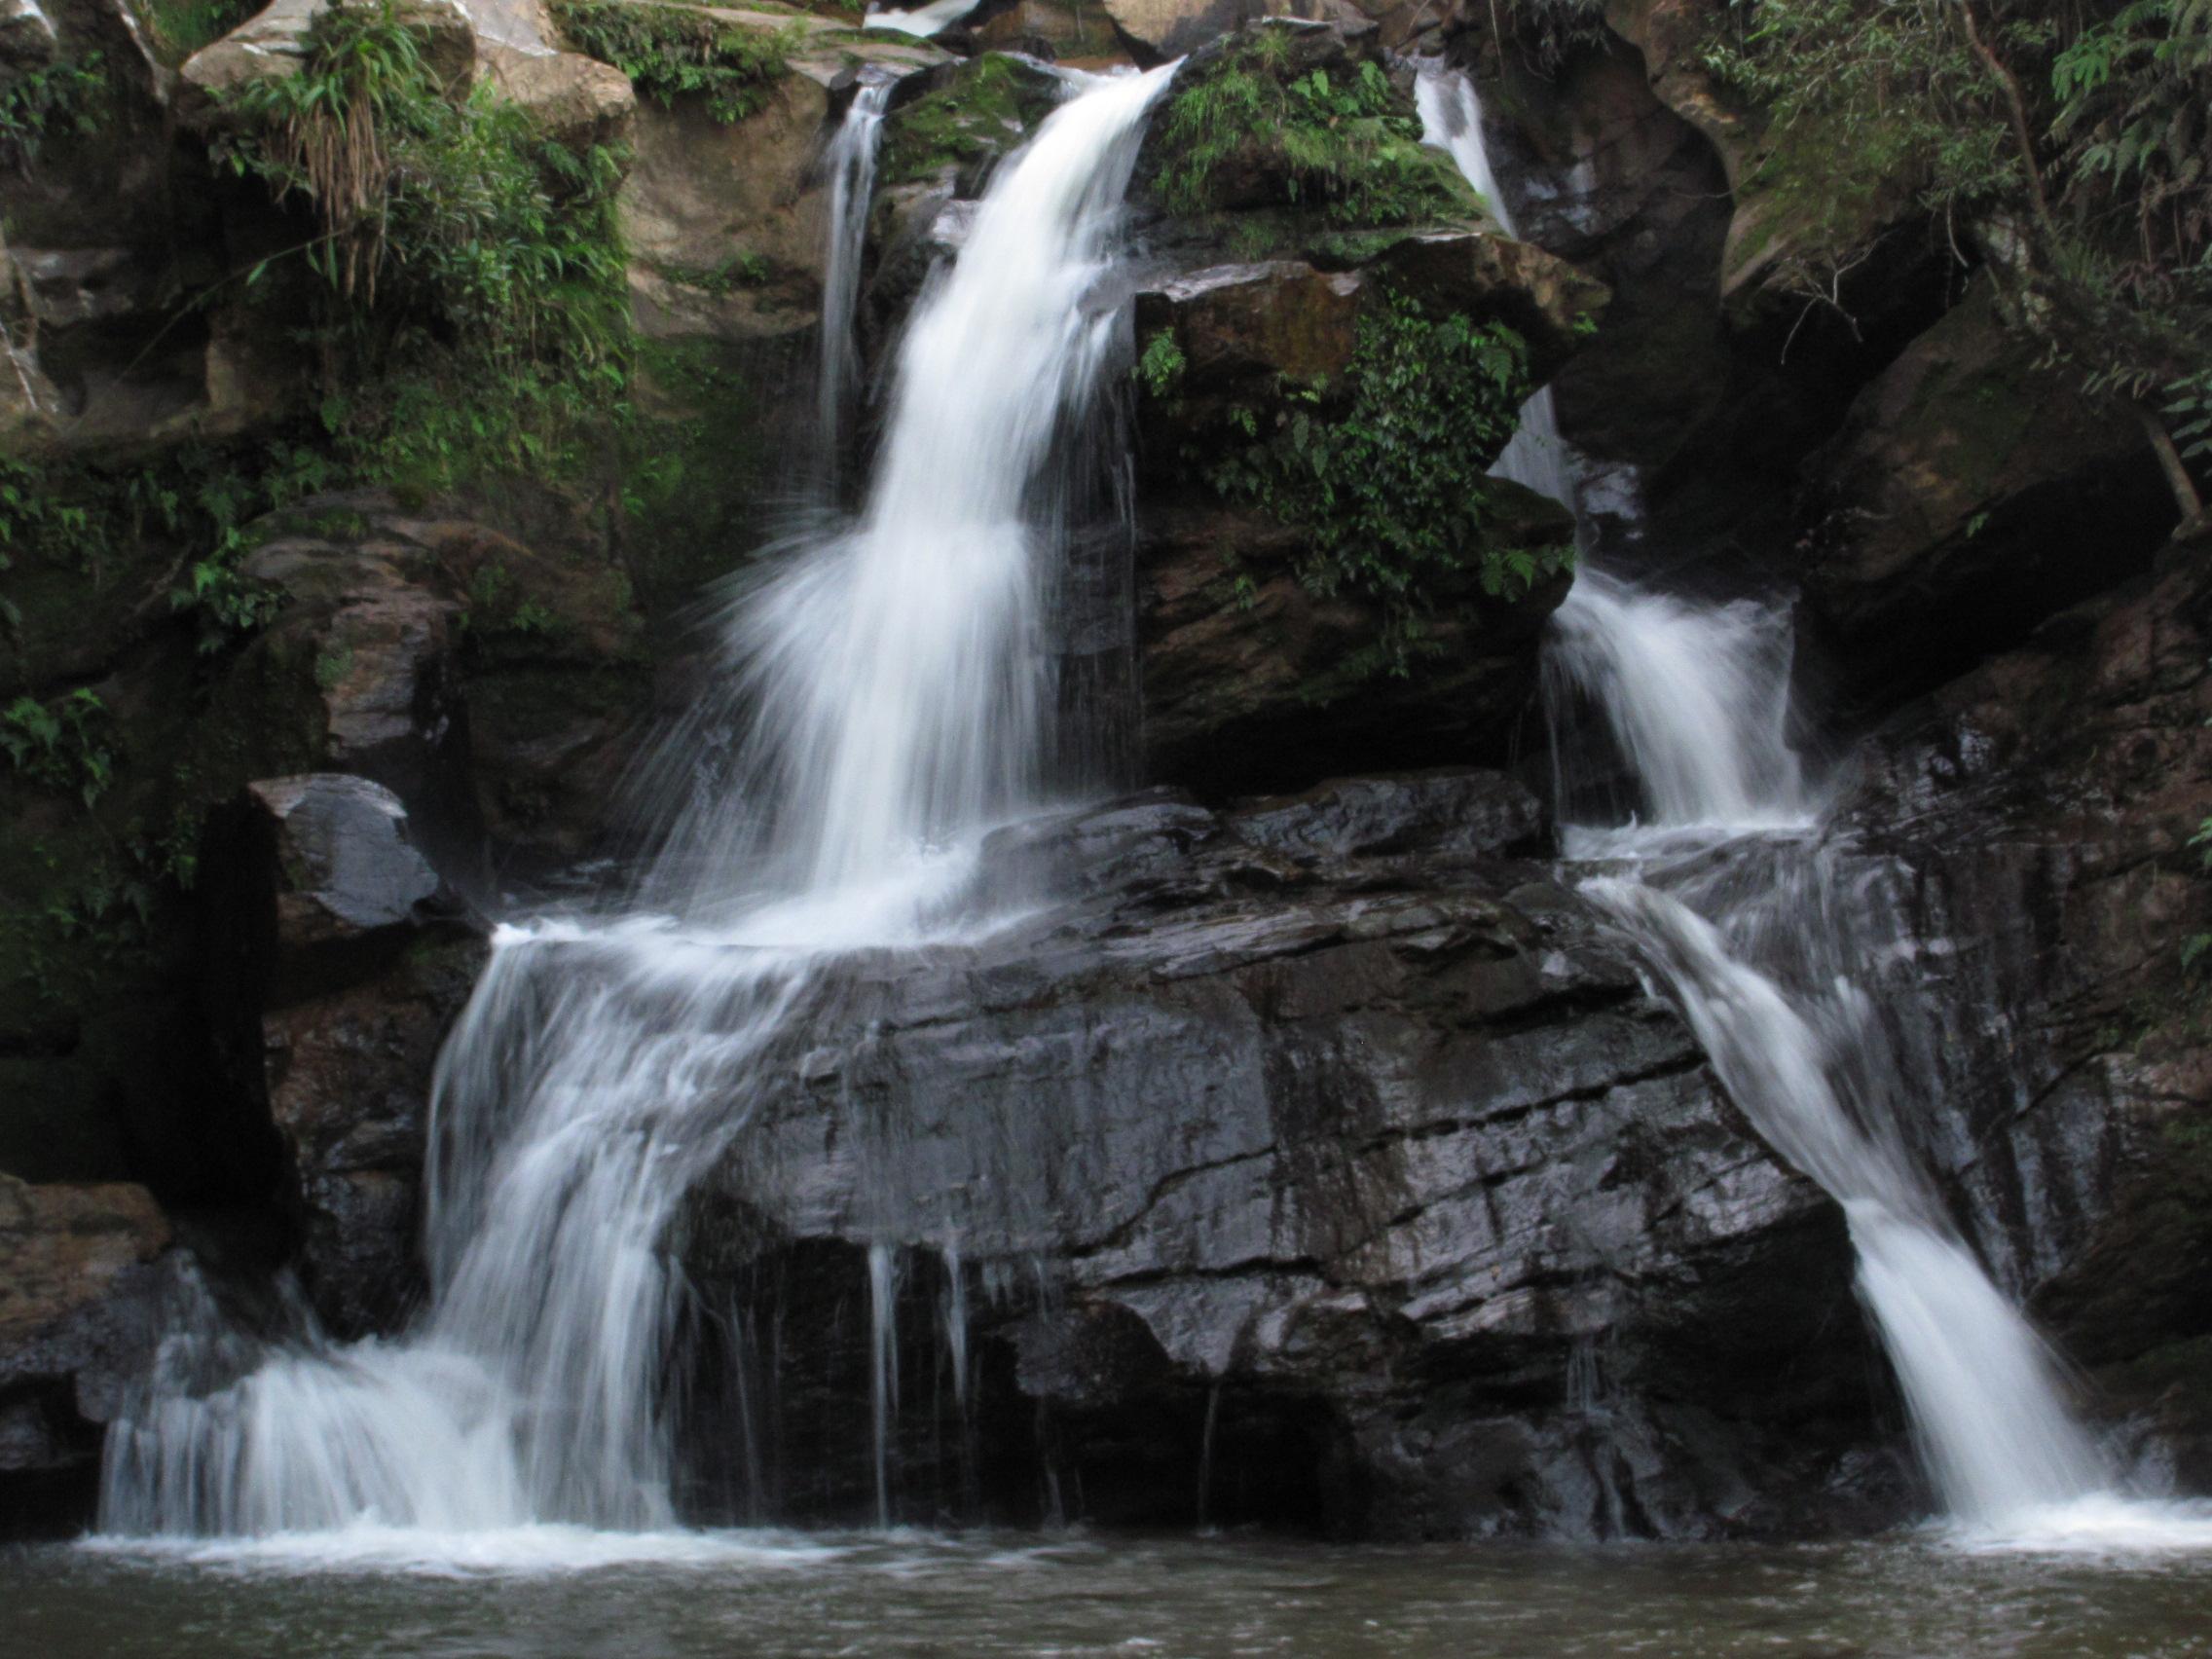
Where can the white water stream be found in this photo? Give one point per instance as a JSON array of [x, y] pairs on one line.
[[600, 1065], [850, 162], [1694, 699]]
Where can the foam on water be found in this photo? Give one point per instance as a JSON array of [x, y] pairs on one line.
[[892, 677]]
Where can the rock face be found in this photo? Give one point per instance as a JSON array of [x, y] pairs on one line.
[[340, 962], [1257, 671], [1252, 680], [77, 1288], [1327, 1111], [1969, 495], [2046, 802]]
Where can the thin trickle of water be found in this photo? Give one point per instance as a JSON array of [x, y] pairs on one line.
[[850, 162], [883, 1366], [601, 1066], [1450, 113], [1205, 1456]]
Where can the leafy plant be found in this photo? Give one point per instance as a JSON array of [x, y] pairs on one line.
[[673, 51], [1160, 364], [64, 745], [1384, 471], [478, 316], [50, 100]]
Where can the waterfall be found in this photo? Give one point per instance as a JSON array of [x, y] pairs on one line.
[[1695, 698], [1694, 701], [1738, 897], [850, 162], [1452, 121], [604, 1063]]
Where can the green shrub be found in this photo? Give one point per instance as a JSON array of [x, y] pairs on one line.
[[673, 51], [1386, 472], [478, 318], [1160, 364], [51, 101], [64, 745]]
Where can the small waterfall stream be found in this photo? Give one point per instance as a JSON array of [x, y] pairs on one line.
[[1727, 880], [850, 162], [892, 673]]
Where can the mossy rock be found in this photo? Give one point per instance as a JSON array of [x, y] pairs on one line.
[[957, 122], [1281, 116]]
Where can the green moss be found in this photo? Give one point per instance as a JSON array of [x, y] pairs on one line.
[[740, 269], [178, 28], [982, 110], [697, 461], [1344, 142], [674, 51]]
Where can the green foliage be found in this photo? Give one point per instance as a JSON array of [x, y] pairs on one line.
[[1872, 106], [980, 111], [1349, 144], [742, 270], [672, 51], [178, 28], [50, 100], [1160, 364], [80, 515], [1384, 471], [478, 318], [64, 745], [2135, 111]]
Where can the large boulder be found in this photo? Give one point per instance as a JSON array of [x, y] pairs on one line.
[[273, 43], [1319, 1123], [78, 1289], [1972, 492], [1157, 30]]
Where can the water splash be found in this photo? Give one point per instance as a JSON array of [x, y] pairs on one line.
[[601, 1065], [1695, 698]]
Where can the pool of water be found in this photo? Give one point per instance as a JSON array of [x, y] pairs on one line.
[[552, 1592]]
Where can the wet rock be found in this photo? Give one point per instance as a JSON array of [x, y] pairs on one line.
[[1365, 1139], [1446, 811], [1955, 503], [77, 1284], [346, 866], [489, 682], [2044, 804], [340, 959], [1252, 680]]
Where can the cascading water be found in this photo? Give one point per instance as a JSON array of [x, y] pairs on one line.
[[850, 162], [1724, 858], [601, 1064]]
